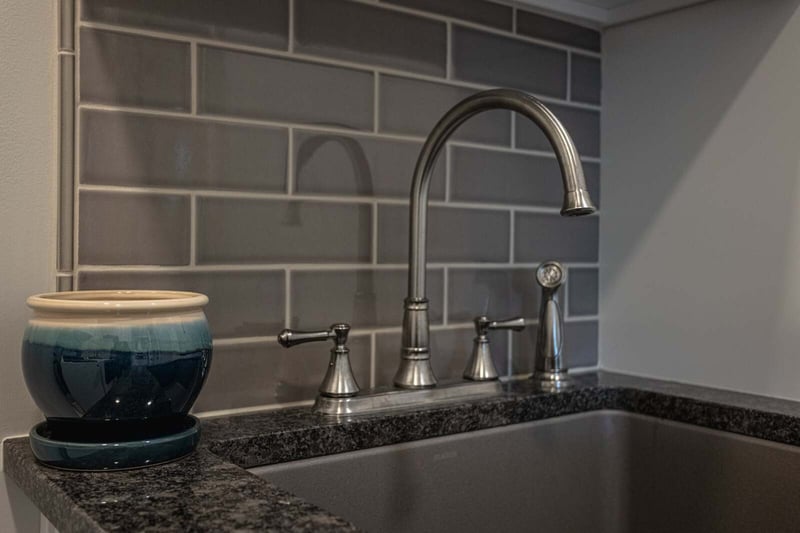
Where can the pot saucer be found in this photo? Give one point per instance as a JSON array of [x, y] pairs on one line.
[[74, 448]]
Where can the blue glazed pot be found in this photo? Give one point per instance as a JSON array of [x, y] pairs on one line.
[[116, 362]]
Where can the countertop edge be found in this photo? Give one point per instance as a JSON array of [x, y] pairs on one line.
[[76, 501]]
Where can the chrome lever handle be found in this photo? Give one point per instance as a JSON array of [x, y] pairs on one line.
[[292, 337], [483, 324], [480, 366], [339, 381]]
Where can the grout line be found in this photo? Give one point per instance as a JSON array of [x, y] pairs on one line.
[[316, 128], [448, 171], [192, 229], [287, 304], [445, 294], [375, 243], [308, 267], [448, 71], [376, 102], [582, 318], [193, 76], [237, 341], [569, 76], [373, 359], [282, 196], [290, 32], [511, 233], [290, 163], [321, 60], [510, 352], [515, 32], [513, 122]]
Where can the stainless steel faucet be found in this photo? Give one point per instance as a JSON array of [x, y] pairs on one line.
[[415, 370]]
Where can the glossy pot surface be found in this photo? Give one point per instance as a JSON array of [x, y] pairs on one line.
[[116, 356]]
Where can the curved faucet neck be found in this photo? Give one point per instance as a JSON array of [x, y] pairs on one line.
[[415, 369], [576, 199]]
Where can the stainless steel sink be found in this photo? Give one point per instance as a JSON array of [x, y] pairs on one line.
[[604, 471]]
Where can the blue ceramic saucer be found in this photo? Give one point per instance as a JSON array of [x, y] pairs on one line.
[[73, 447]]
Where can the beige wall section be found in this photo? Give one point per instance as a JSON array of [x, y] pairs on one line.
[[27, 210], [700, 233]]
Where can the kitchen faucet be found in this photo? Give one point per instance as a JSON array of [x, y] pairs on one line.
[[415, 382], [415, 370]]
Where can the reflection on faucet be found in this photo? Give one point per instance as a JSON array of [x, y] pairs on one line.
[[415, 367]]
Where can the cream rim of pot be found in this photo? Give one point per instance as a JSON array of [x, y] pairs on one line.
[[116, 301]]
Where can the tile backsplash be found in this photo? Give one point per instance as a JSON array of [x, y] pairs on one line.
[[261, 152]]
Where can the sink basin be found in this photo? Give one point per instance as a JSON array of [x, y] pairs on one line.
[[606, 471]]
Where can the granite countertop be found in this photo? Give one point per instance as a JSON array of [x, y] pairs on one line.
[[210, 490]]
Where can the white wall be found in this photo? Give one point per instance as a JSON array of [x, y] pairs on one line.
[[27, 211], [700, 233]]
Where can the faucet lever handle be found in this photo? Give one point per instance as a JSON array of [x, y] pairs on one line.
[[339, 381], [480, 366], [292, 337], [484, 324]]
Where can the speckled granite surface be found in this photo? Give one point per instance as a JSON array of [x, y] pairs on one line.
[[211, 491]]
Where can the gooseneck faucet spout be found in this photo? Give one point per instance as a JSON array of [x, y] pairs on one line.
[[415, 366]]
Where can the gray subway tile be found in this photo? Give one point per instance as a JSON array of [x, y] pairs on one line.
[[254, 22], [241, 304], [370, 34], [141, 150], [556, 30], [264, 373], [477, 11], [580, 346], [502, 61], [413, 107], [586, 79], [264, 87], [330, 163], [583, 125], [494, 176], [496, 293], [361, 298], [450, 351], [122, 69], [454, 235], [235, 230], [133, 229], [583, 287], [541, 237]]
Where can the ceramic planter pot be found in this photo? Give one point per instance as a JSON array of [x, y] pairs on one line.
[[127, 361]]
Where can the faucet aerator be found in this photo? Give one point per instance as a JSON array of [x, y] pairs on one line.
[[577, 203]]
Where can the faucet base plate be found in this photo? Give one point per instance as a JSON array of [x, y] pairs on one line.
[[381, 400]]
